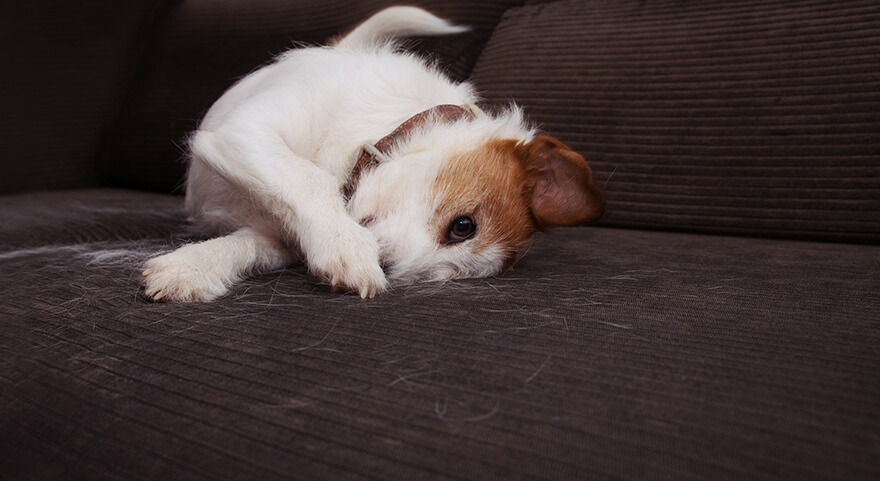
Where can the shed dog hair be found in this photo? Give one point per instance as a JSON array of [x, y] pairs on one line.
[[372, 167]]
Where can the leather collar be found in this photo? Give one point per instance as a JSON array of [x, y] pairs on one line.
[[374, 154]]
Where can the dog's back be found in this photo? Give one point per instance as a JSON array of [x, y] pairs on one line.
[[326, 103]]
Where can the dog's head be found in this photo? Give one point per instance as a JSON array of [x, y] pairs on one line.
[[463, 200]]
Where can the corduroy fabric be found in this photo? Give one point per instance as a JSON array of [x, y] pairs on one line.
[[752, 117], [65, 66], [606, 354], [200, 50], [45, 219]]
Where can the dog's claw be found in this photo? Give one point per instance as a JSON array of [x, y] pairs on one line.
[[349, 261]]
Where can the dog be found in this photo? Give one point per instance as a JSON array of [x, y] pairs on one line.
[[372, 167]]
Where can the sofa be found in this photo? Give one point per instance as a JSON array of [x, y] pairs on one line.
[[721, 321]]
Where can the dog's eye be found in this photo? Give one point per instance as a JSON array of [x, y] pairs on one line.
[[462, 228]]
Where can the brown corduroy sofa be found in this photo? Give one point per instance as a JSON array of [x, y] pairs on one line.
[[721, 322]]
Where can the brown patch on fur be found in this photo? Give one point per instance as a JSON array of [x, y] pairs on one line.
[[562, 191], [487, 184], [512, 190]]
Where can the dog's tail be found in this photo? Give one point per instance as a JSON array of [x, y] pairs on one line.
[[396, 22]]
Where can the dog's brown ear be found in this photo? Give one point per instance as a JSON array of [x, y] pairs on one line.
[[560, 187]]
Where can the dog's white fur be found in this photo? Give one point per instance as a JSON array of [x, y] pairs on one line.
[[271, 155]]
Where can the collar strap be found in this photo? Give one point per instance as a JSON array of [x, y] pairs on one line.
[[374, 154]]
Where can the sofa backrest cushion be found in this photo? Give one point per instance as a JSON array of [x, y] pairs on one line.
[[752, 117], [204, 46], [64, 67]]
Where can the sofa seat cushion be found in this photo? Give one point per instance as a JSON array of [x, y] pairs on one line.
[[759, 118], [85, 218], [606, 353]]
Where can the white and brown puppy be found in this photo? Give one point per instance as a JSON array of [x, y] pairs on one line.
[[372, 167]]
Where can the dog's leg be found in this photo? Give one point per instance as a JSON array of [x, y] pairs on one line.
[[304, 198], [206, 270]]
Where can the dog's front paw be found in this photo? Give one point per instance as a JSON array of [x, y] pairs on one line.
[[178, 277], [350, 259]]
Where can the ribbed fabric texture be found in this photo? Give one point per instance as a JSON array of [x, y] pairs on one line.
[[200, 50], [64, 67], [726, 117], [646, 355]]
